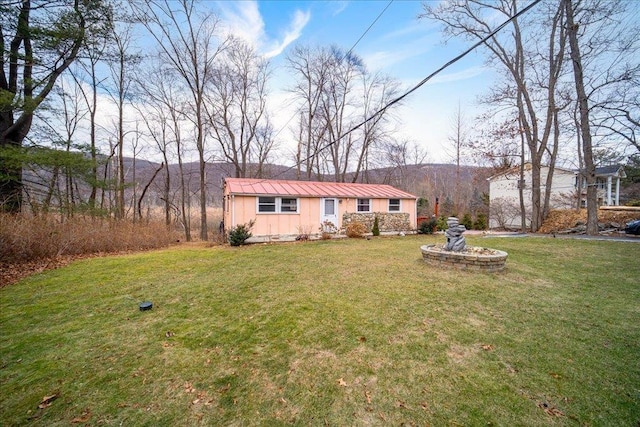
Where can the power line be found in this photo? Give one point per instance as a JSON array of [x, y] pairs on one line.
[[417, 86]]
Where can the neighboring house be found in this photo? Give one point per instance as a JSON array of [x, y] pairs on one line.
[[504, 199], [607, 195], [286, 209]]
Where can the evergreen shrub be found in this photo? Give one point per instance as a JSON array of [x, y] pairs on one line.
[[239, 234]]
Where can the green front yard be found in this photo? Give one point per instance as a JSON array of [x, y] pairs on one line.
[[338, 332]]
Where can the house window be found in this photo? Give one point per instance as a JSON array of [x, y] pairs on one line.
[[364, 205], [266, 204], [288, 205], [277, 205], [394, 205]]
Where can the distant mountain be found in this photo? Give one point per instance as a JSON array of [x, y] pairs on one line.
[[423, 180]]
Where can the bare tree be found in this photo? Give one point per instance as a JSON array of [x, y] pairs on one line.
[[54, 137], [154, 115], [311, 67], [336, 105], [377, 91], [396, 158], [236, 108], [608, 37], [189, 44], [585, 131], [459, 139], [163, 115], [73, 113], [336, 94], [121, 61], [86, 73], [604, 41], [532, 60]]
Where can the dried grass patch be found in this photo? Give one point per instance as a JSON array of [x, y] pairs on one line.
[[32, 244]]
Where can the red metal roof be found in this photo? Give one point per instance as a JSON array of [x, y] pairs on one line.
[[267, 187]]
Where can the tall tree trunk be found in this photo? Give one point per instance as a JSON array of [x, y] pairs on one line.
[[203, 175], [120, 175], [146, 187], [580, 176], [590, 168], [92, 137], [523, 211]]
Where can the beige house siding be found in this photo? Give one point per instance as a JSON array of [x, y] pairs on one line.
[[243, 208], [504, 199]]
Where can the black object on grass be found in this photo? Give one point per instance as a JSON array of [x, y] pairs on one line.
[[144, 306]]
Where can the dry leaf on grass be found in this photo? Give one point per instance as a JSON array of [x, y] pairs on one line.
[[367, 395], [46, 401], [552, 411], [487, 347], [342, 382], [83, 418]]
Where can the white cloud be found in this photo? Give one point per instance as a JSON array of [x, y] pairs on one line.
[[465, 74], [386, 58], [244, 20], [340, 6], [300, 20], [417, 27]]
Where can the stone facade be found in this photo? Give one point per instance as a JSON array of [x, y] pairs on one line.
[[387, 222]]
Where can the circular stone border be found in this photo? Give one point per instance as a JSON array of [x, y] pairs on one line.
[[465, 260]]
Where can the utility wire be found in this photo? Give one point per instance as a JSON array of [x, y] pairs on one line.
[[417, 86], [340, 60]]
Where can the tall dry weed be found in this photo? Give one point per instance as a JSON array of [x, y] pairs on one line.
[[26, 238]]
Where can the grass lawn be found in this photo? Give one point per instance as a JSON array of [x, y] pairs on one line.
[[339, 332]]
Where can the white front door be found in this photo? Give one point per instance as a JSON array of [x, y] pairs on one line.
[[329, 214]]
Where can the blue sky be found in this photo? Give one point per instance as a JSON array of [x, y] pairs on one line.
[[398, 44]]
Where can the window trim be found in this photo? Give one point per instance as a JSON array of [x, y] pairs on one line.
[[260, 204], [277, 205], [398, 205], [358, 205]]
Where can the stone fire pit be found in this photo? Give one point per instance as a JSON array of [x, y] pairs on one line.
[[455, 252], [470, 258]]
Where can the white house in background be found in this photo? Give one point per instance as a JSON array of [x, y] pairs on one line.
[[504, 198], [607, 195]]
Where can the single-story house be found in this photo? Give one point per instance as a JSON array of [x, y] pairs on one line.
[[504, 201], [283, 209]]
